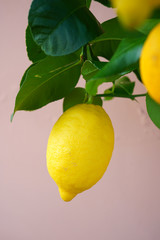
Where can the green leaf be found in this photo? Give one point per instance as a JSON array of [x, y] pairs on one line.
[[34, 51], [137, 73], [47, 81], [148, 25], [88, 3], [123, 87], [62, 27], [109, 94], [105, 48], [90, 68], [106, 3], [97, 101], [156, 13], [123, 61], [113, 30], [78, 96], [106, 44], [25, 74], [153, 110]]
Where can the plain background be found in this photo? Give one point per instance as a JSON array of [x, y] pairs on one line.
[[124, 204]]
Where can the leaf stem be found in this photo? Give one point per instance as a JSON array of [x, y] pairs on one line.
[[84, 52], [139, 95], [90, 99], [132, 97]]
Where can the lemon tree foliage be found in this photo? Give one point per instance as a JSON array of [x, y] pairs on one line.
[[148, 25], [90, 68], [79, 96], [34, 51], [120, 64], [153, 110], [42, 83], [123, 87], [64, 41], [62, 27], [88, 3], [106, 3], [106, 44]]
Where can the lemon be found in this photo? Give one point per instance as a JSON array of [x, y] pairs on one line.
[[150, 63], [132, 13], [156, 3], [79, 149]]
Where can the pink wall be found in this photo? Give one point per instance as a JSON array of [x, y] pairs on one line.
[[124, 205]]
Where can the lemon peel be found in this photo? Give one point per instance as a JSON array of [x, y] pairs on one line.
[[79, 149], [150, 64], [133, 13]]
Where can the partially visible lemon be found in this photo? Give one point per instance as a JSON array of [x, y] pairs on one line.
[[150, 63], [132, 13], [79, 149], [156, 3]]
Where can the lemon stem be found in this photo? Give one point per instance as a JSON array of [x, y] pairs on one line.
[[113, 87], [132, 97], [90, 99]]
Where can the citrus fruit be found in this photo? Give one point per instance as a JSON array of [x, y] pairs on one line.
[[150, 63], [132, 13], [79, 149]]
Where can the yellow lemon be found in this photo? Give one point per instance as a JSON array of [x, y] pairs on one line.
[[150, 63], [132, 13], [79, 149], [156, 3]]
